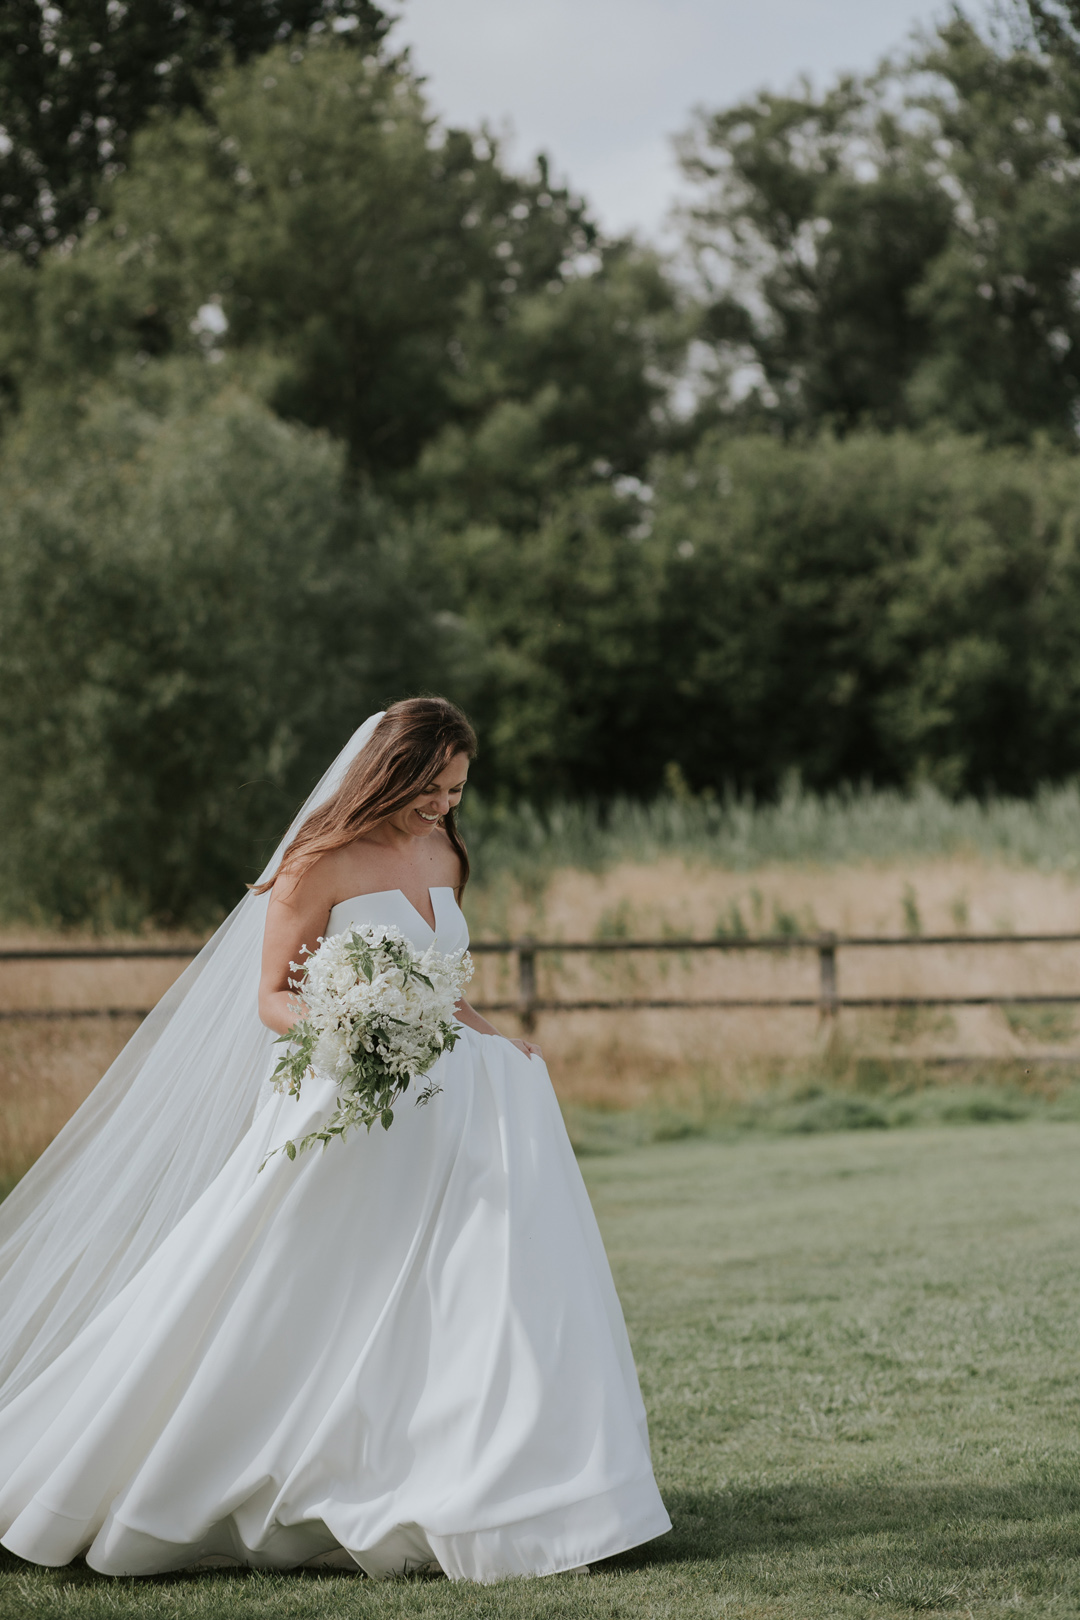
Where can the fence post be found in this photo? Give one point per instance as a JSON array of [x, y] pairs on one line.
[[829, 992], [526, 956]]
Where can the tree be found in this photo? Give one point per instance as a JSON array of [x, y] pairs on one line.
[[397, 278], [885, 608], [903, 250], [571, 385], [1000, 300], [1054, 26], [193, 618], [569, 690], [79, 78], [882, 608], [817, 220]]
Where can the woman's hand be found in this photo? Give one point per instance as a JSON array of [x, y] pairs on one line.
[[470, 1017]]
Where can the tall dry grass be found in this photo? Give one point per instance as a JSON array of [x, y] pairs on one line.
[[46, 1070], [850, 825], [611, 1058]]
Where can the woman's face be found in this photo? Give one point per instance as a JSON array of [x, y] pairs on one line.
[[442, 793]]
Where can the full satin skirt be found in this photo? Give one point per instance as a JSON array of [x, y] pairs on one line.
[[406, 1346]]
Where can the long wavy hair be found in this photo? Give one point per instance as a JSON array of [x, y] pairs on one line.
[[411, 744]]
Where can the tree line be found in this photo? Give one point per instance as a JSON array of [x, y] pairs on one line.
[[308, 400]]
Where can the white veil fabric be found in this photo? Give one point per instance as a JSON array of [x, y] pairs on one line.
[[147, 1142]]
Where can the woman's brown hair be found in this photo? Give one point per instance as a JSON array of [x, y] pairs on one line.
[[411, 744]]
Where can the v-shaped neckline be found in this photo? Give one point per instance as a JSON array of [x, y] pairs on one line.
[[372, 894], [433, 925]]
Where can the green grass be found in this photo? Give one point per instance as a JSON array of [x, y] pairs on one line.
[[859, 1354], [833, 828], [1042, 1023], [841, 1093]]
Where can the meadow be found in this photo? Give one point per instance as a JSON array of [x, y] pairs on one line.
[[858, 1355]]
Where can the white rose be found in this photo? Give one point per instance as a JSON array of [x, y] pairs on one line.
[[331, 1054]]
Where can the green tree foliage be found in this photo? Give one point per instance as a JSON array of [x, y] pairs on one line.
[[816, 220], [78, 78], [903, 250], [883, 608], [570, 689], [1054, 25], [1000, 302], [570, 387], [298, 295], [879, 608], [192, 620], [402, 280], [327, 406]]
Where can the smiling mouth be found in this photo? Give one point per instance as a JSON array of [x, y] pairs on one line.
[[422, 816]]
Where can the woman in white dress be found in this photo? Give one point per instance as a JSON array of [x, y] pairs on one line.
[[402, 1352]]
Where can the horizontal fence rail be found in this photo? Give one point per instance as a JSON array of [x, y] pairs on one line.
[[528, 1003]]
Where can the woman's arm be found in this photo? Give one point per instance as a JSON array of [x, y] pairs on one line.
[[469, 1015], [296, 917]]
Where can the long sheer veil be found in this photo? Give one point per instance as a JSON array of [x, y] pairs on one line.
[[148, 1140]]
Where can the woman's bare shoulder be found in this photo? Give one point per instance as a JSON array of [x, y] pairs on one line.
[[446, 862], [336, 875]]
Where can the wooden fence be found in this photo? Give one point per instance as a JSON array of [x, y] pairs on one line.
[[528, 1002]]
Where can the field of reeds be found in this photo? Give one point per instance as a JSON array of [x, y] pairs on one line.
[[870, 864], [855, 824]]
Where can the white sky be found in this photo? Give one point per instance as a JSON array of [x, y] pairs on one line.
[[601, 85]]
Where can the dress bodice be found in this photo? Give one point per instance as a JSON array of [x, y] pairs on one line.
[[451, 931]]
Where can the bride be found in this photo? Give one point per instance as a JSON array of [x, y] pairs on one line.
[[400, 1352]]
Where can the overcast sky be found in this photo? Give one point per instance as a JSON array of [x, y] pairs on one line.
[[601, 85]]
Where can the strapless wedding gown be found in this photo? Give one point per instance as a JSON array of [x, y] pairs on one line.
[[405, 1348]]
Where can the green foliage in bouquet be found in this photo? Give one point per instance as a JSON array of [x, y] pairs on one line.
[[378, 1014]]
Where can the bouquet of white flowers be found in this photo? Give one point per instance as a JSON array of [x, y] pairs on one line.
[[378, 1014]]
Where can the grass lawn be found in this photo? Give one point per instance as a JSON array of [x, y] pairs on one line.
[[860, 1357]]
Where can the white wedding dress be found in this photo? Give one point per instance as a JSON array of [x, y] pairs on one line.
[[405, 1348]]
